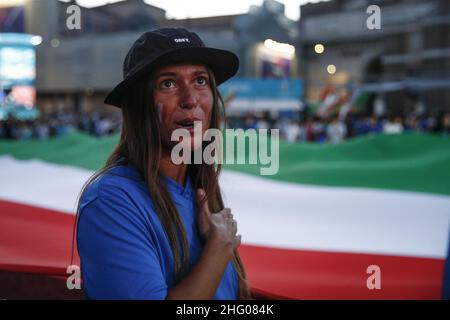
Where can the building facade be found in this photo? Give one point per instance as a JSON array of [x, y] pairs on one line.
[[75, 68], [406, 61]]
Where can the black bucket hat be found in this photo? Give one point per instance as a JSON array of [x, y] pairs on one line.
[[168, 46]]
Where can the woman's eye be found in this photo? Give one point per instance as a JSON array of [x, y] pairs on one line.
[[167, 84], [201, 80]]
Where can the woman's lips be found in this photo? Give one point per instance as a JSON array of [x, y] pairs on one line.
[[188, 124]]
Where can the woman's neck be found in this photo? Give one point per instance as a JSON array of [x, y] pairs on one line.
[[176, 172]]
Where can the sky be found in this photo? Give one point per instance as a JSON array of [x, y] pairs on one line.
[[180, 9]]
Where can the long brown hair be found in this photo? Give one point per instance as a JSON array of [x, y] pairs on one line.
[[141, 145]]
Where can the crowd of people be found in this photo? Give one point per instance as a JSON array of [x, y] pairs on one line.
[[309, 128], [58, 124]]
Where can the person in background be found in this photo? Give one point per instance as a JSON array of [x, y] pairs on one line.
[[374, 125], [445, 124], [446, 278], [292, 131], [336, 131], [393, 125]]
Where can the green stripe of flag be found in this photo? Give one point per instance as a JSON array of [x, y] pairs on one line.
[[410, 162]]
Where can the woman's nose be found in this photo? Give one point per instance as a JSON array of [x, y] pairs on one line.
[[189, 99]]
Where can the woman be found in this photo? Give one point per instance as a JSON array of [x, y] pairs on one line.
[[148, 228]]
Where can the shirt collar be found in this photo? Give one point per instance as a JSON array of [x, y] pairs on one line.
[[176, 188], [131, 171]]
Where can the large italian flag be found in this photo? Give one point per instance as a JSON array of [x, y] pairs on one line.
[[311, 231]]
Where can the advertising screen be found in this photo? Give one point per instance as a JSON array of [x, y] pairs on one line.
[[17, 70]]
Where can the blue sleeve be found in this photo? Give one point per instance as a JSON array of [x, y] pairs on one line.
[[446, 284], [117, 253]]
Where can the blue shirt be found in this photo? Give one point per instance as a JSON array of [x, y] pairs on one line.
[[124, 251]]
